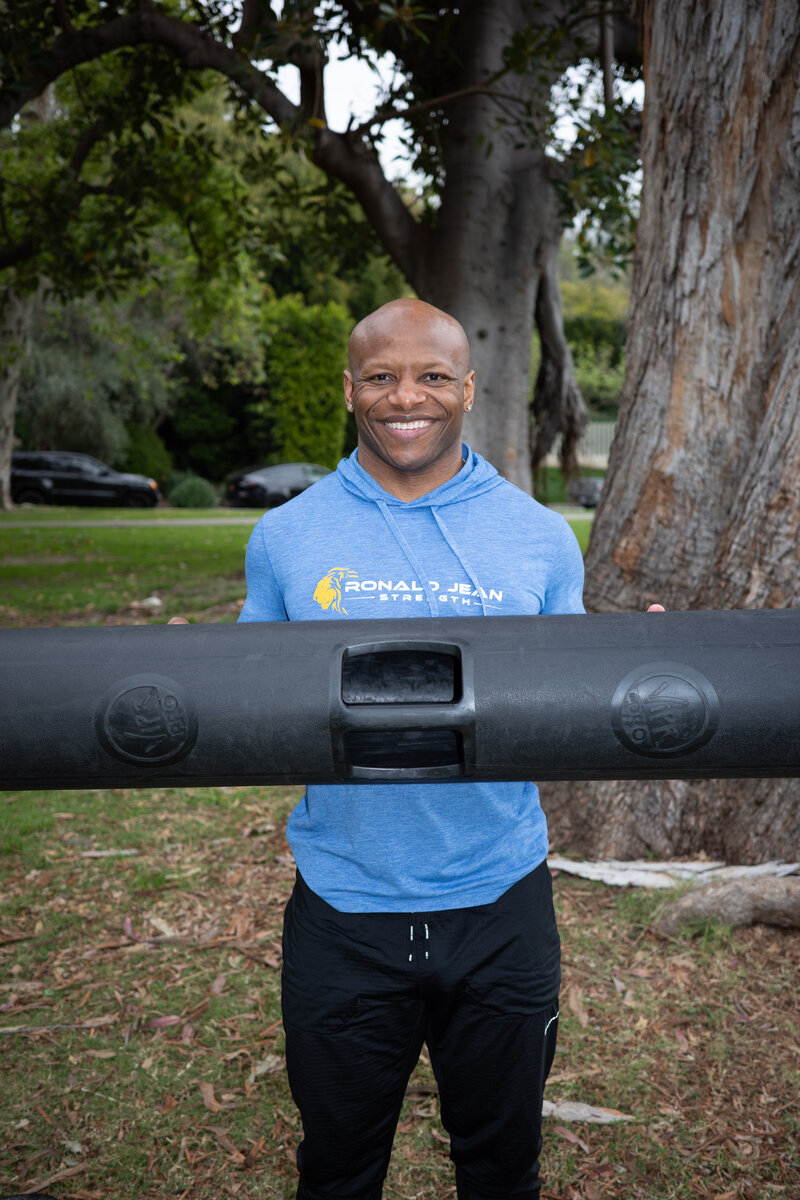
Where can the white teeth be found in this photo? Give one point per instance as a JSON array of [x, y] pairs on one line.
[[408, 424]]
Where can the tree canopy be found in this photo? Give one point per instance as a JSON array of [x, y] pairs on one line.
[[473, 87]]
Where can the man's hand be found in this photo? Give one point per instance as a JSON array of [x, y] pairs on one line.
[[177, 621]]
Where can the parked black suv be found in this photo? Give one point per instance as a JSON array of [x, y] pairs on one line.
[[63, 477]]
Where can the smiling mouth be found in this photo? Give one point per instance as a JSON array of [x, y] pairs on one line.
[[404, 425]]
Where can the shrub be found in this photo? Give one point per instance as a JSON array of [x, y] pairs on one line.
[[146, 454], [192, 492], [303, 417]]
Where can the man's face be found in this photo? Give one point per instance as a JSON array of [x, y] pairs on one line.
[[408, 390]]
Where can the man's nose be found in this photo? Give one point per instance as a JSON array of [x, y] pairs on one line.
[[407, 391]]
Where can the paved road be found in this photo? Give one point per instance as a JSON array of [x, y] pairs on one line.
[[248, 518]]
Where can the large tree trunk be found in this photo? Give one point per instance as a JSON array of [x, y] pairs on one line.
[[489, 259], [701, 507], [493, 266], [16, 312], [491, 256], [486, 268]]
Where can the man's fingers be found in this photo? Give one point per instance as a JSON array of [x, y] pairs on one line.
[[656, 608], [177, 621]]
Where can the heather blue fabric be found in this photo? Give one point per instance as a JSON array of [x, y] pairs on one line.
[[476, 546]]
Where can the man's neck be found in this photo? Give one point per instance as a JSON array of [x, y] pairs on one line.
[[408, 485]]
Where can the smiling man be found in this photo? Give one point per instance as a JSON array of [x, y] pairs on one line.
[[408, 387], [422, 912]]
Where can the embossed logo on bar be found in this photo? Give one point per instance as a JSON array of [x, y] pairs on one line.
[[147, 719], [663, 710]]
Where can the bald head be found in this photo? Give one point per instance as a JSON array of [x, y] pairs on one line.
[[408, 387], [401, 319]]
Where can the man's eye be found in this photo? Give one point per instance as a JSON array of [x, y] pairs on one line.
[[380, 378], [435, 377]]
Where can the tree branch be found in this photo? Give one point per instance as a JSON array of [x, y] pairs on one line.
[[349, 159], [63, 14], [343, 156], [381, 116], [86, 143], [607, 55], [195, 48], [558, 406], [257, 15]]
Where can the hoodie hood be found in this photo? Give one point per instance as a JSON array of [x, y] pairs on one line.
[[475, 477]]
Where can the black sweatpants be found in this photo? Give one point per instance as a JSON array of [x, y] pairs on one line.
[[362, 992]]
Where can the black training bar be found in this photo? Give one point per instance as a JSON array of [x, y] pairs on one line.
[[613, 696]]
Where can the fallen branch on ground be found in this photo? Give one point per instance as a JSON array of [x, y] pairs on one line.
[[737, 902], [643, 873]]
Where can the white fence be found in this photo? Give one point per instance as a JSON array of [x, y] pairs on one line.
[[593, 447]]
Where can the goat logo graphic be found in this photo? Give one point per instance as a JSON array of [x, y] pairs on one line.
[[328, 592]]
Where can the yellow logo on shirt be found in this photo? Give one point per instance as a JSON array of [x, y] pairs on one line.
[[328, 592]]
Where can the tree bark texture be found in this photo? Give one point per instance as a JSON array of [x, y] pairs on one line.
[[16, 312], [701, 507]]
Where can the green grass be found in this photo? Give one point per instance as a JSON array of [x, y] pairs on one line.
[[90, 573], [582, 528], [550, 487], [141, 1052], [97, 572], [180, 977]]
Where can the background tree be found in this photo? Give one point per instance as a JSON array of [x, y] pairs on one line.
[[98, 369], [473, 86], [106, 184], [701, 507], [313, 252]]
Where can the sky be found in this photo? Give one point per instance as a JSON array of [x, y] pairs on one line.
[[352, 89]]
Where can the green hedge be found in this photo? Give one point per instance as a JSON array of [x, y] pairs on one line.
[[302, 418]]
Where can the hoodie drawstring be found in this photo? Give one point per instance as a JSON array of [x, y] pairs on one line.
[[462, 558], [410, 555], [417, 566]]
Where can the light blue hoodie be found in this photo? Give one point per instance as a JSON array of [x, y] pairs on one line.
[[476, 546]]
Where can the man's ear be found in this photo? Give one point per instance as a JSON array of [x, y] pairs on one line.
[[349, 383], [469, 390]]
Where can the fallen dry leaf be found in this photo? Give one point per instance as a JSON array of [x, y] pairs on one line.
[[574, 1110], [571, 1137], [163, 1022], [209, 1099], [273, 1062], [223, 1139], [575, 1005]]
